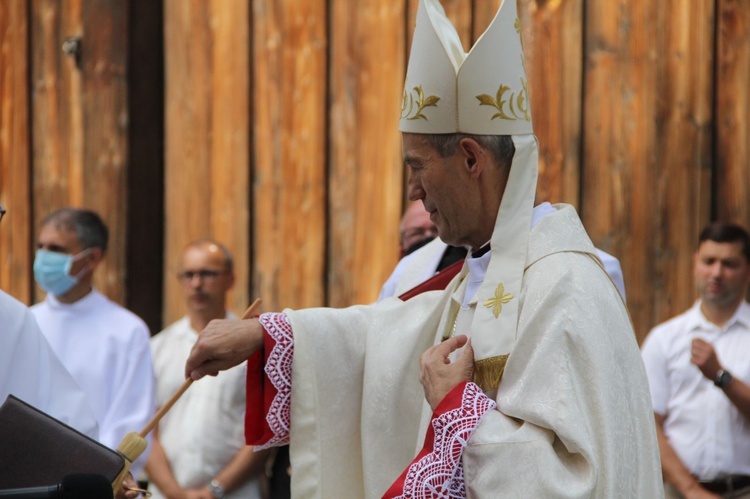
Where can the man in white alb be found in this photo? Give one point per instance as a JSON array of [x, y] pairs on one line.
[[199, 446], [103, 345], [503, 383], [31, 371]]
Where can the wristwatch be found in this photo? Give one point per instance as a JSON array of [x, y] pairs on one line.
[[723, 378], [216, 489]]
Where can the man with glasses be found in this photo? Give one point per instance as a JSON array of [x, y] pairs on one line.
[[103, 345], [199, 447]]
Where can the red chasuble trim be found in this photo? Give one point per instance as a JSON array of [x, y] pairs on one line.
[[267, 416], [437, 471], [437, 282]]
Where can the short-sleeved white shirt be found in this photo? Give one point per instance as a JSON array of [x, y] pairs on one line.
[[205, 428], [708, 433]]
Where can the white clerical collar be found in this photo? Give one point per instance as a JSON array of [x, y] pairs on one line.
[[89, 300], [478, 266]]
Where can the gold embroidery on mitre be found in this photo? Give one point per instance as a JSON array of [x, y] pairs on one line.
[[409, 104], [488, 372], [496, 302], [517, 103]]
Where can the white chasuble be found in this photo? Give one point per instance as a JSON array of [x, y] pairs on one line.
[[573, 416]]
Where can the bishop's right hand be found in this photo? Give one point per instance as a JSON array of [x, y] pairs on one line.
[[224, 343], [439, 375]]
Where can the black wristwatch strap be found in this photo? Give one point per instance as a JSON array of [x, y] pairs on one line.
[[723, 378]]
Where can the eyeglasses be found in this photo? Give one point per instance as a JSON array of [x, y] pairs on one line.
[[204, 274], [2, 212]]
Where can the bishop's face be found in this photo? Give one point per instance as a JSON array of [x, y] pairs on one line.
[[449, 192]]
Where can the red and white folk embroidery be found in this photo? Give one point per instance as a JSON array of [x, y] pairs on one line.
[[279, 371], [437, 472], [440, 473]]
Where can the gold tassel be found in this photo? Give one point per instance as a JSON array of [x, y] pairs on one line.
[[488, 372]]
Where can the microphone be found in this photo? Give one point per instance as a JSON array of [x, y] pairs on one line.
[[73, 486]]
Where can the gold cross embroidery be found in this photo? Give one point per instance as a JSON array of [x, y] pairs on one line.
[[497, 301]]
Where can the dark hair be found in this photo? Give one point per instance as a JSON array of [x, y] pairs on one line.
[[88, 226], [228, 259], [501, 146], [726, 232]]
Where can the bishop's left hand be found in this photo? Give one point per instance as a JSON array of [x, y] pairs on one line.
[[223, 344], [439, 375]]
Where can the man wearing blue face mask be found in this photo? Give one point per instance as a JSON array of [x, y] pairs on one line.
[[31, 371], [104, 346]]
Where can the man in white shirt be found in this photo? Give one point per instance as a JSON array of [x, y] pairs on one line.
[[698, 370], [104, 346], [199, 446]]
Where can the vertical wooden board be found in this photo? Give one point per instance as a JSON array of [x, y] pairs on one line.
[[15, 238], [684, 149], [79, 111], [207, 146], [187, 173], [230, 135], [620, 170], [553, 49], [289, 132], [103, 111], [733, 111], [365, 185], [56, 122], [483, 12]]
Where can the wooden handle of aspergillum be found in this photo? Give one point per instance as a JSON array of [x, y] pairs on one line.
[[163, 409], [133, 444]]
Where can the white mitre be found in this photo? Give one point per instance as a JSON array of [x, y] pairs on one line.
[[483, 92]]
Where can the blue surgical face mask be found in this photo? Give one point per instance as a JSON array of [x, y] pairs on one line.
[[52, 270]]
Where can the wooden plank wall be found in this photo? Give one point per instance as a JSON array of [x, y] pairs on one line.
[[15, 135], [207, 102], [365, 183], [647, 98], [731, 162], [280, 136], [79, 120], [289, 130]]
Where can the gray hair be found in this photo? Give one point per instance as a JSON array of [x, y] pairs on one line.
[[87, 225], [501, 146]]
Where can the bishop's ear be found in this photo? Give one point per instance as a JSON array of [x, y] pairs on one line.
[[474, 155]]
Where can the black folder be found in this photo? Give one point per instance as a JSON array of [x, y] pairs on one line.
[[38, 450]]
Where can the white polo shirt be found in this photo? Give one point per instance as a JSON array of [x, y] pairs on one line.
[[708, 433]]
